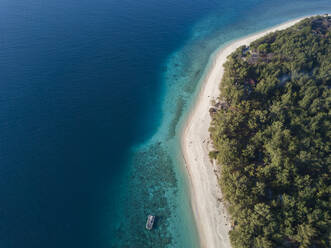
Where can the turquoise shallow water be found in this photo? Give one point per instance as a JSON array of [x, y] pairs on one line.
[[93, 98], [160, 166]]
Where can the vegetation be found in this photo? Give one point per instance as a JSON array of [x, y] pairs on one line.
[[271, 133]]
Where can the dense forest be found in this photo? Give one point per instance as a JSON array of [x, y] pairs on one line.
[[271, 134]]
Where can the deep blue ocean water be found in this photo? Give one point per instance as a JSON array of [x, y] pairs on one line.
[[92, 98]]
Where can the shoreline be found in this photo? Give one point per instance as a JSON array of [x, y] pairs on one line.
[[211, 217]]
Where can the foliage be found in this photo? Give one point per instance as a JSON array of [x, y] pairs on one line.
[[272, 138]]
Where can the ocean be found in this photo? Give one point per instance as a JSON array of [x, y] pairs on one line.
[[93, 97]]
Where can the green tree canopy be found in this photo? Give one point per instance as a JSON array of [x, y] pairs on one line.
[[272, 138]]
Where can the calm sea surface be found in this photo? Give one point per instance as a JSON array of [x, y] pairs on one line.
[[92, 98]]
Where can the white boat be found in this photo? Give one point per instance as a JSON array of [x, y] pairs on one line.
[[150, 222]]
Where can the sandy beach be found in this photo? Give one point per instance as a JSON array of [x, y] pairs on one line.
[[211, 216]]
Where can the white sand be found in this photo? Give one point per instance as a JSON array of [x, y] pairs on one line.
[[211, 217]]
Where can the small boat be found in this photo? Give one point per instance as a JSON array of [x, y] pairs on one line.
[[150, 222]]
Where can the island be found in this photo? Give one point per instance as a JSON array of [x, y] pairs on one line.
[[271, 133], [260, 174]]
